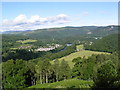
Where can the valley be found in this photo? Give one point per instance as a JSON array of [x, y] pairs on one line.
[[67, 57]]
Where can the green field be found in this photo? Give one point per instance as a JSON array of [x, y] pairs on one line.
[[79, 47], [26, 41], [82, 53], [70, 83]]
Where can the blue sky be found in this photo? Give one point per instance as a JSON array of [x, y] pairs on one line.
[[34, 15]]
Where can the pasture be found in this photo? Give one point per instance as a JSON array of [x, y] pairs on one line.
[[79, 47], [70, 83], [82, 53], [26, 41]]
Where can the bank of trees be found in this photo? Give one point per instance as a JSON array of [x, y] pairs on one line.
[[107, 76], [102, 69], [106, 44], [20, 74]]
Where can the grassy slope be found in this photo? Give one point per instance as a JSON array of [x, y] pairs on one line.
[[26, 41], [79, 47], [74, 83], [83, 53]]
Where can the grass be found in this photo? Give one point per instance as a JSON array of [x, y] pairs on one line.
[[70, 83], [79, 47], [82, 53], [26, 41], [14, 48]]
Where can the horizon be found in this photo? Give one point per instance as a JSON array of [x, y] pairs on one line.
[[56, 27], [40, 15]]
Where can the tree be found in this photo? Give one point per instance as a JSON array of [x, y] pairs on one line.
[[106, 75], [65, 71], [38, 69], [14, 74], [76, 71], [46, 69], [43, 70], [32, 73], [56, 67]]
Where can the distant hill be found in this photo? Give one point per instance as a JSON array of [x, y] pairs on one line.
[[107, 44], [67, 34], [70, 30], [76, 33], [14, 32]]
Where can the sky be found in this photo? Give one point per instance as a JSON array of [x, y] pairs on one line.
[[20, 16]]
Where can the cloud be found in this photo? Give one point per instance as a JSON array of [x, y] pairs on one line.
[[20, 19], [21, 22]]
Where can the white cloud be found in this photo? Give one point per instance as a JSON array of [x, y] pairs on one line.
[[20, 19], [21, 22], [34, 19]]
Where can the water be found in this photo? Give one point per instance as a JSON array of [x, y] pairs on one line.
[[60, 50]]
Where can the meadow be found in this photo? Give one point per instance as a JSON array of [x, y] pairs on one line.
[[70, 83], [26, 41], [81, 53]]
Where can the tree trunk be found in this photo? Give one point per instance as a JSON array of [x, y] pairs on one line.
[[46, 77], [32, 80], [40, 79], [43, 78], [57, 77]]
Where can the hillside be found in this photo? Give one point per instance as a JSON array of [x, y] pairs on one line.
[[70, 83], [82, 53], [106, 44], [72, 31], [69, 32]]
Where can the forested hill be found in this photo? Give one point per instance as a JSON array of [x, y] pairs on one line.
[[72, 31], [69, 31], [107, 44]]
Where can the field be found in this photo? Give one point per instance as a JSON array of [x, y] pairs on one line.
[[79, 47], [26, 41], [70, 83], [82, 53]]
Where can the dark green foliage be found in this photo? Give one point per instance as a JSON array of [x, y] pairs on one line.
[[65, 71], [14, 74], [47, 73], [37, 69], [56, 69], [86, 68], [106, 75], [71, 32], [83, 68], [9, 41], [76, 71], [106, 44], [22, 54]]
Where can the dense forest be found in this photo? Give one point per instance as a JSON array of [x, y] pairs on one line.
[[107, 44], [19, 74], [23, 66]]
